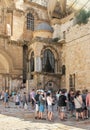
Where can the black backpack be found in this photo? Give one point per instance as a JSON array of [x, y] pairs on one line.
[[60, 101]]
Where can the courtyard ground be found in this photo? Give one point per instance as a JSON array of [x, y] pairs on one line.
[[19, 119]]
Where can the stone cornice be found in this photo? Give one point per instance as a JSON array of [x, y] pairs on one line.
[[42, 31], [18, 42], [4, 36], [48, 41], [18, 12], [46, 73], [15, 10], [62, 20], [37, 39], [35, 5]]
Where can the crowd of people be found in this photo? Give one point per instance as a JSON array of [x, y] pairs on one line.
[[74, 102], [77, 103]]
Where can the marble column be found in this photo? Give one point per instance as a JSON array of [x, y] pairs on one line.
[[38, 66]]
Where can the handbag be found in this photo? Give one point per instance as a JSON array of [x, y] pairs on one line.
[[88, 108], [17, 103], [25, 106], [82, 105]]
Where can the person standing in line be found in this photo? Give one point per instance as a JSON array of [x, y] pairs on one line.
[[42, 104], [62, 105], [17, 101], [24, 100], [71, 96], [50, 107], [37, 104], [32, 97], [2, 95], [78, 105], [85, 112], [19, 96], [88, 102], [6, 101], [57, 98]]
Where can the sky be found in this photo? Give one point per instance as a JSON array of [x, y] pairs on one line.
[[77, 4]]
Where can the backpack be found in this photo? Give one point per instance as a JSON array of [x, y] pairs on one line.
[[60, 101]]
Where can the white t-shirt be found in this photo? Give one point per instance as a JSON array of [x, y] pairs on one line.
[[16, 98], [49, 100]]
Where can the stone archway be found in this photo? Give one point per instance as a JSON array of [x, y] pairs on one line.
[[4, 70], [33, 12], [6, 67], [56, 56]]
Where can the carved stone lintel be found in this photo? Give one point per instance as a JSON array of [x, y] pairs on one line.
[[48, 40], [4, 36], [18, 42]]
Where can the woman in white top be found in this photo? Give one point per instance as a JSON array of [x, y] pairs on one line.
[[50, 107], [17, 100], [78, 105]]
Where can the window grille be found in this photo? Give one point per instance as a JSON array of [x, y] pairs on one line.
[[30, 22]]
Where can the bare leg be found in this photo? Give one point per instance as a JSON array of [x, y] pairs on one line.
[[77, 115]]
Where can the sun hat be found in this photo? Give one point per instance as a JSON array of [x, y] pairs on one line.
[[42, 91]]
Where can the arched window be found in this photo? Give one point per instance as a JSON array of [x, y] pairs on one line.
[[32, 62], [48, 62], [30, 22]]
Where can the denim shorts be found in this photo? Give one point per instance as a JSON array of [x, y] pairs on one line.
[[41, 108]]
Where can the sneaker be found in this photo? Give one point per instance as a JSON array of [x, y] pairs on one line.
[[35, 117], [43, 118]]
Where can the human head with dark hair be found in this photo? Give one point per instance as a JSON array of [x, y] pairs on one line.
[[86, 91], [48, 94], [63, 91], [24, 92], [77, 93]]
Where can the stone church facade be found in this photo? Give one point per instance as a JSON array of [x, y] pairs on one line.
[[31, 53]]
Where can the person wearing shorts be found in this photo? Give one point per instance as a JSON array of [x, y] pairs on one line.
[[62, 105], [6, 96], [42, 104], [78, 105], [50, 107], [37, 104]]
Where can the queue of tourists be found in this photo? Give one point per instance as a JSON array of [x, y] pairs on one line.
[[76, 104]]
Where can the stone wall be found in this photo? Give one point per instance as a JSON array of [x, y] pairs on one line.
[[19, 24], [41, 79], [76, 56], [13, 56], [11, 64]]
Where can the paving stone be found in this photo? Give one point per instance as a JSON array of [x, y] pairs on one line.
[[20, 119]]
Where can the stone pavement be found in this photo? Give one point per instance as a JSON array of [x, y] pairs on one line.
[[19, 119]]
